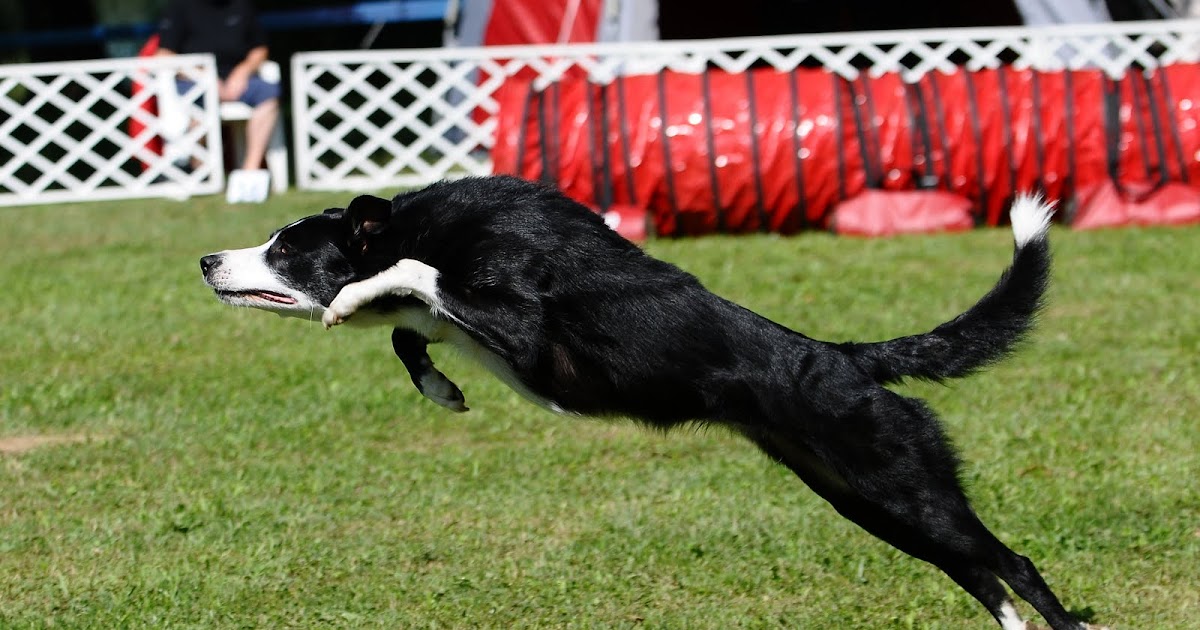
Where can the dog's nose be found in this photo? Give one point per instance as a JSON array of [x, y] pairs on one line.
[[208, 262]]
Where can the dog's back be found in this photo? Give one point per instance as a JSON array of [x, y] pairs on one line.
[[619, 332]]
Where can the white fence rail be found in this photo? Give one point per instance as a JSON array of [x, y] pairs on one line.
[[375, 119], [65, 130]]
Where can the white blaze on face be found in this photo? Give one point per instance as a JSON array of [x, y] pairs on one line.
[[243, 278], [246, 269]]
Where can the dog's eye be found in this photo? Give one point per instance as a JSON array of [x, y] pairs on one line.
[[283, 249]]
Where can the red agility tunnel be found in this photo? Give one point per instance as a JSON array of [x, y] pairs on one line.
[[775, 151], [681, 146], [1150, 153]]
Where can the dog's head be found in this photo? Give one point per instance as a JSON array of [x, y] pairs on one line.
[[303, 265]]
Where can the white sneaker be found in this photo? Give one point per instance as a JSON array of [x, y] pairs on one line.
[[248, 186]]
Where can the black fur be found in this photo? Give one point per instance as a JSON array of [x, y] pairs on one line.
[[589, 322]]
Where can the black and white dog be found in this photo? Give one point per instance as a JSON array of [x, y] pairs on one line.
[[572, 316]]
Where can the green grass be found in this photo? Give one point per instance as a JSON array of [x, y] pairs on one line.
[[239, 470]]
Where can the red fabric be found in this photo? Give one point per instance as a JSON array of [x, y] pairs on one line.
[[517, 132], [1156, 150], [891, 212], [628, 221], [954, 137], [1182, 107], [150, 105], [517, 22], [637, 146], [541, 22], [1071, 137], [778, 151], [889, 131], [1104, 206]]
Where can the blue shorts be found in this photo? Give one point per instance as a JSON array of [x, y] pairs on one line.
[[257, 91]]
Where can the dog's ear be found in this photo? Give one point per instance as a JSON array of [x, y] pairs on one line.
[[368, 217]]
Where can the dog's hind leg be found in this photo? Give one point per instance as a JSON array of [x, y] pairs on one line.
[[982, 584], [905, 491], [411, 348]]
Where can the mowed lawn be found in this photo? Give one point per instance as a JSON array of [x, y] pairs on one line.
[[170, 462]]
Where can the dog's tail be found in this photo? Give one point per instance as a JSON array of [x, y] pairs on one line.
[[989, 330]]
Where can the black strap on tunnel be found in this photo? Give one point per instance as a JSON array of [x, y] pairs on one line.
[[1112, 128], [977, 131], [1140, 122], [1006, 124], [1160, 140], [914, 138], [873, 176], [623, 119], [594, 146], [1039, 151], [873, 136], [919, 118], [837, 130], [935, 94], [755, 156], [522, 135], [1112, 134], [544, 140], [556, 127], [666, 143], [604, 195], [711, 143], [1069, 118], [797, 147], [1172, 123]]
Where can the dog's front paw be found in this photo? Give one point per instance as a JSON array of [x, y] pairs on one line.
[[436, 387], [335, 314], [356, 295], [345, 304]]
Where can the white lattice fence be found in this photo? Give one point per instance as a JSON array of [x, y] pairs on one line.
[[68, 131], [373, 119]]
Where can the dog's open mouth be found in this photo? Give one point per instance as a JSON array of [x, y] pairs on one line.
[[265, 296]]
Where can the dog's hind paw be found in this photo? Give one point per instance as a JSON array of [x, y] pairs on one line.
[[436, 387]]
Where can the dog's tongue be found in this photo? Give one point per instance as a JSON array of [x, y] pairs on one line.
[[275, 297]]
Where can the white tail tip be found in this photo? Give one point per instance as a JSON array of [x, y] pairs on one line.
[[1030, 217]]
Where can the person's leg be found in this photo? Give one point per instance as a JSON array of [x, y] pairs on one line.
[[264, 98], [258, 133]]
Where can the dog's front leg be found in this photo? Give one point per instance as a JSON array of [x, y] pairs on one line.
[[405, 278], [410, 347]]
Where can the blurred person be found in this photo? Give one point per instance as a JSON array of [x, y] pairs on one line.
[[230, 30]]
